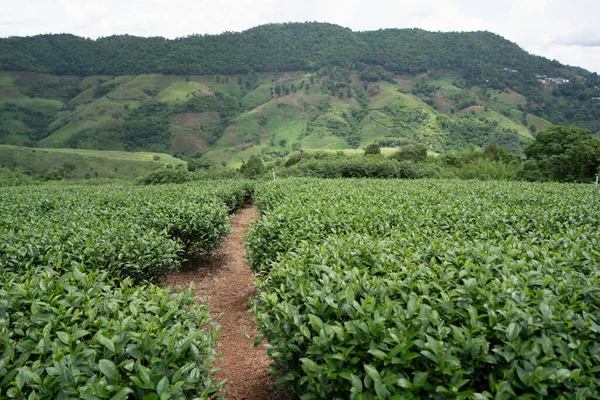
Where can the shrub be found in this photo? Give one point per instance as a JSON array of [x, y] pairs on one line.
[[80, 335], [372, 149], [166, 175], [429, 289], [414, 153]]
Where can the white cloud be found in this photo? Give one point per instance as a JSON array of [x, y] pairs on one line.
[[565, 30]]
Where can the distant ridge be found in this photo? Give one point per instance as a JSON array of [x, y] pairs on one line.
[[268, 48]]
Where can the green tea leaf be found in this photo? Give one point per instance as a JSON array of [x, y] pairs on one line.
[[108, 369]]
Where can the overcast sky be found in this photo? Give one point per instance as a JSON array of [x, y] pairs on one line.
[[558, 29]]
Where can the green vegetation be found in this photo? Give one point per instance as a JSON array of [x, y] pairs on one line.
[[13, 177], [564, 154], [372, 150], [103, 339], [558, 154], [338, 165], [218, 120], [80, 316], [253, 168], [445, 64], [83, 164], [279, 88], [428, 289], [366, 288], [267, 116], [414, 153]]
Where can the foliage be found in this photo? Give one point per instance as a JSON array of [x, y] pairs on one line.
[[292, 86], [69, 329], [81, 163], [491, 163], [429, 289], [487, 169], [274, 47], [166, 175], [254, 168], [482, 59], [81, 335], [197, 164], [565, 153], [372, 149], [35, 121], [414, 153], [409, 162], [359, 167], [293, 159], [53, 175], [148, 127], [473, 129], [16, 177], [217, 173], [63, 89]]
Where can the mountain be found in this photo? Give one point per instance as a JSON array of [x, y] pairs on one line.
[[279, 87]]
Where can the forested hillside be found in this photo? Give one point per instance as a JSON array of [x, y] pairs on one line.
[[276, 47], [279, 87]]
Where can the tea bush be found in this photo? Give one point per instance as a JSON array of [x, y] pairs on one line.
[[446, 290], [79, 317], [83, 335]]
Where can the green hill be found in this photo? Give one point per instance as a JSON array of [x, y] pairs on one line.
[[83, 164], [229, 118], [480, 59], [281, 87]]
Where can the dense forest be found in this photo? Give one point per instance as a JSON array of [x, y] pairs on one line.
[[277, 47]]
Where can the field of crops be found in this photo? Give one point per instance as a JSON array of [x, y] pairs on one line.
[[79, 314], [429, 289]]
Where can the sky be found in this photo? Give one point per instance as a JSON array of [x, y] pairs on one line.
[[557, 29]]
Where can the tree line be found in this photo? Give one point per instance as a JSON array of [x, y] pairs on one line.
[[272, 47]]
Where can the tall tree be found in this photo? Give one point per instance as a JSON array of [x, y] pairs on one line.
[[565, 153]]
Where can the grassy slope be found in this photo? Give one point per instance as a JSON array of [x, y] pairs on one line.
[[90, 163]]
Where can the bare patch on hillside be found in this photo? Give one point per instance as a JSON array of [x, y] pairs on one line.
[[472, 108], [197, 120], [404, 81]]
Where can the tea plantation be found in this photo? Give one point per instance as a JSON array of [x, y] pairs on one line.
[[429, 289], [367, 289], [79, 316]]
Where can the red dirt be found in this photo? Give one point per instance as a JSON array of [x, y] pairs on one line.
[[543, 125], [184, 143], [224, 280], [196, 120], [404, 81], [292, 99], [472, 108]]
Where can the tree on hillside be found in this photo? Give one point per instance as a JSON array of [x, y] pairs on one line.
[[253, 168], [196, 164], [563, 153], [372, 149], [415, 153]]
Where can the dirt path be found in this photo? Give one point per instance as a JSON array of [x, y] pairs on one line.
[[225, 281]]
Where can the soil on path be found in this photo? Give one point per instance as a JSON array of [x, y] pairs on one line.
[[224, 280]]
